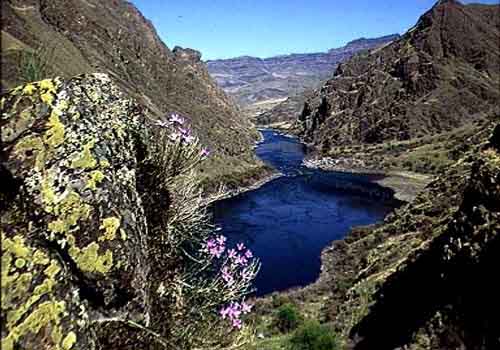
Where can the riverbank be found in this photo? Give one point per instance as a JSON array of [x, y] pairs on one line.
[[405, 184], [259, 182]]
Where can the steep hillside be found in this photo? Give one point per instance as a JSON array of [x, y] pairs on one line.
[[113, 37], [442, 74], [423, 278], [104, 231], [258, 84]]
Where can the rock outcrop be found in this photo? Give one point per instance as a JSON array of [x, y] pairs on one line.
[[440, 75]]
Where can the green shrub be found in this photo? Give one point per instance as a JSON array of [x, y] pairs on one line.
[[288, 318], [35, 63], [313, 336]]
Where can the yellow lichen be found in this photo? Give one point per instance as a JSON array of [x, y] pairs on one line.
[[46, 314], [47, 98], [89, 260], [68, 212], [48, 195], [29, 89], [18, 302], [62, 105], [47, 84], [95, 178], [123, 235], [110, 225], [120, 130], [85, 160], [76, 115], [69, 341], [52, 270], [40, 258], [16, 246], [55, 135], [104, 163], [34, 145], [20, 263]]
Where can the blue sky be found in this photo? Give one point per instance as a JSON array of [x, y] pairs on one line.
[[263, 28]]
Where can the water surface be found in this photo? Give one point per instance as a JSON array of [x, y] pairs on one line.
[[288, 221]]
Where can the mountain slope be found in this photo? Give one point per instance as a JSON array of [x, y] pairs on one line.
[[423, 279], [443, 73], [253, 81], [113, 37]]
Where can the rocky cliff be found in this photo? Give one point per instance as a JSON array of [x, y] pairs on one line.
[[442, 74], [72, 37], [258, 84], [103, 227]]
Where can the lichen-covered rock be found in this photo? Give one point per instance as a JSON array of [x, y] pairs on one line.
[[73, 228]]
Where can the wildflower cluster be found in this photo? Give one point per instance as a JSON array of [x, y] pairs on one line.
[[234, 311], [211, 279], [238, 268], [180, 132]]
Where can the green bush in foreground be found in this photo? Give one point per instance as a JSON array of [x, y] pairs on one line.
[[35, 63], [313, 336], [288, 318]]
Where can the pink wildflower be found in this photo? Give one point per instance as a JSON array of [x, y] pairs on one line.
[[246, 275], [246, 308], [175, 118], [188, 138], [232, 254], [237, 323], [175, 136], [205, 152], [241, 260]]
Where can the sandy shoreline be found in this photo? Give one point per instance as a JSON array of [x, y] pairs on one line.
[[406, 185]]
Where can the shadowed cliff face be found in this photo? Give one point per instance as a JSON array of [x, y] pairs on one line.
[[441, 74], [113, 37]]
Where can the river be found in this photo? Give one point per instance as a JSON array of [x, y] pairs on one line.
[[288, 222]]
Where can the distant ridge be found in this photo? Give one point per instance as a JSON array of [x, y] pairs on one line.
[[253, 80]]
